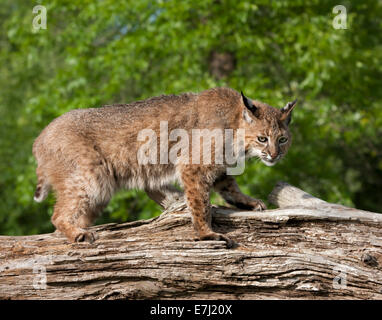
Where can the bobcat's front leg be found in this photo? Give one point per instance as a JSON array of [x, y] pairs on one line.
[[197, 194], [227, 187]]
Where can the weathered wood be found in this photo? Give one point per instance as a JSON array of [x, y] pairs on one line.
[[308, 249]]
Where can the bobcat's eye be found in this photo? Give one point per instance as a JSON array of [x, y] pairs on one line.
[[283, 140], [262, 139]]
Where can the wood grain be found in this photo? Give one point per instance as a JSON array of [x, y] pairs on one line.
[[307, 249]]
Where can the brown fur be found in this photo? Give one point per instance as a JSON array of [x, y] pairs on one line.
[[86, 155]]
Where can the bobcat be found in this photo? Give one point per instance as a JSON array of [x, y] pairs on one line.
[[86, 155]]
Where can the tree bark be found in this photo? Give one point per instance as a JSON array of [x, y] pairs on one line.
[[306, 249]]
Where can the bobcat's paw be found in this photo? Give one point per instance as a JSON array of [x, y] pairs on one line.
[[219, 237], [88, 236], [258, 205]]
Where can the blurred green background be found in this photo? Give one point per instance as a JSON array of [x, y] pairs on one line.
[[103, 52]]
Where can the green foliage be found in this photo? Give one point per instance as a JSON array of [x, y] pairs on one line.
[[103, 52]]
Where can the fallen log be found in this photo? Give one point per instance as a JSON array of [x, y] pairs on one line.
[[306, 249]]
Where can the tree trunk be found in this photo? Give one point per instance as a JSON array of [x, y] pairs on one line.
[[307, 249]]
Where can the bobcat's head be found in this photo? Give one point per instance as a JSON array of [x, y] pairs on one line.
[[267, 134]]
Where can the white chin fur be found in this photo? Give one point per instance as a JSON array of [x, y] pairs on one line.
[[268, 163]]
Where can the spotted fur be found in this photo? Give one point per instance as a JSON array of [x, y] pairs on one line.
[[86, 155]]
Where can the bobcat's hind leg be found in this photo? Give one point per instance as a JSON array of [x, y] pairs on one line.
[[72, 215], [87, 220]]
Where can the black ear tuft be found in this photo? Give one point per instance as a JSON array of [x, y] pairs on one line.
[[287, 112], [289, 106], [249, 104]]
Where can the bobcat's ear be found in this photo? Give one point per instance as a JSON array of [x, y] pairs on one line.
[[287, 112], [250, 106]]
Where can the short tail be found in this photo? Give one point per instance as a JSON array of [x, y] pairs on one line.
[[42, 191]]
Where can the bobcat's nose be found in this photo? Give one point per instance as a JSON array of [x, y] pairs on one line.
[[272, 157]]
